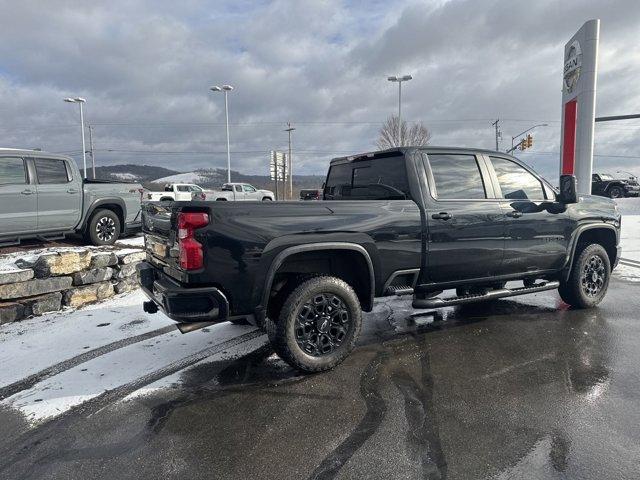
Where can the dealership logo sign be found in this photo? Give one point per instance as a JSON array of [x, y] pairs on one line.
[[572, 66]]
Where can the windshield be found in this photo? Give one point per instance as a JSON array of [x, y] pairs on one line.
[[606, 176]]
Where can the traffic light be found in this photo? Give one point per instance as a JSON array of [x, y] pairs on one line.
[[529, 140], [523, 144]]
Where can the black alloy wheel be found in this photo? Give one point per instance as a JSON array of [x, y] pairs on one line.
[[588, 278], [317, 325], [322, 324], [594, 276]]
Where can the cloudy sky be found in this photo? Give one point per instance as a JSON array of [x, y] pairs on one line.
[[145, 68]]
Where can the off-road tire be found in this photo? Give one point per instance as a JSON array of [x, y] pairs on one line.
[[616, 192], [103, 228], [574, 291], [282, 334]]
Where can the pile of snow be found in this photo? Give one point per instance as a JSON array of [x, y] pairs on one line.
[[126, 176], [197, 177], [188, 177]]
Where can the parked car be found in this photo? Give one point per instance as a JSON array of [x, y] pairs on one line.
[[404, 221], [178, 192], [607, 185], [314, 194], [43, 195], [241, 192]]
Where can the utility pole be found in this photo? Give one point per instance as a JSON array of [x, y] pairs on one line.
[[498, 133], [290, 129], [93, 159]]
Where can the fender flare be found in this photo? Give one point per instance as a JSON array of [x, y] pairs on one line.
[[574, 243], [104, 201], [312, 247]]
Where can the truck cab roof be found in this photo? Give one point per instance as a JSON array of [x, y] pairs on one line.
[[390, 152]]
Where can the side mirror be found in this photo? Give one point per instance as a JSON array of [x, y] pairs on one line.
[[568, 187]]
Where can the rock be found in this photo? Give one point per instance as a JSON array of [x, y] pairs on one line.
[[127, 270], [132, 257], [127, 285], [13, 275], [103, 259], [50, 302], [10, 312], [77, 297], [34, 287], [92, 276], [58, 263]]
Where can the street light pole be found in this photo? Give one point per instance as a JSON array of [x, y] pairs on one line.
[[290, 129], [80, 101], [93, 159], [226, 89], [400, 79]]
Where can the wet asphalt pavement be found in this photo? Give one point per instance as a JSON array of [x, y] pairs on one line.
[[522, 388]]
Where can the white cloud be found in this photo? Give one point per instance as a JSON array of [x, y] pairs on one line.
[[145, 68]]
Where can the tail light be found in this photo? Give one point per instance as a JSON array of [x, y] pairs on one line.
[[191, 255]]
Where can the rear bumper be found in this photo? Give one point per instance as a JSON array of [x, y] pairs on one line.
[[206, 304]]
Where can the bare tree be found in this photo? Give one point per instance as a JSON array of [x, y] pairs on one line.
[[392, 134]]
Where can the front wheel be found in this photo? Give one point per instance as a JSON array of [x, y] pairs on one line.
[[266, 199], [616, 192], [103, 228], [318, 325], [589, 278]]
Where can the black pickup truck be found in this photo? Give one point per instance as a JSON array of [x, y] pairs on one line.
[[405, 221]]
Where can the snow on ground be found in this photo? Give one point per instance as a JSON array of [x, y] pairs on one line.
[[126, 176], [630, 237], [189, 177], [30, 346]]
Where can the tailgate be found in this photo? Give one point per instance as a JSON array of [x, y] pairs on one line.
[[159, 237]]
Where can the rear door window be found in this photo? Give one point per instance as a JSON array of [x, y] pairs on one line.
[[456, 177], [382, 178], [12, 171], [51, 171]]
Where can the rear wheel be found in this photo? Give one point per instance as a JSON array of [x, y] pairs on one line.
[[589, 277], [318, 325], [616, 192], [103, 227], [266, 199]]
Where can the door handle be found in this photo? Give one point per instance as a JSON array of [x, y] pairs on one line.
[[72, 190], [441, 216], [27, 192], [514, 214]]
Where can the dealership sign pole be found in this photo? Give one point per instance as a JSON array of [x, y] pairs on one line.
[[579, 104]]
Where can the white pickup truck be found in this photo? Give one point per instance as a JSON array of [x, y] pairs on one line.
[[178, 192], [241, 191]]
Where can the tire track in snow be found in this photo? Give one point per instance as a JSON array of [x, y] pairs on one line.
[[26, 383], [40, 437]]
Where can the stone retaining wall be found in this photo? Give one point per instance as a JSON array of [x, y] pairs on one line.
[[37, 284]]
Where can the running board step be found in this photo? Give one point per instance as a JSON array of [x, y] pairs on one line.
[[438, 302], [399, 290]]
